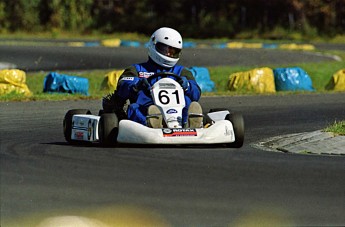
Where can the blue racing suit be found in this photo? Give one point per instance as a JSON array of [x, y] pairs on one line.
[[141, 100]]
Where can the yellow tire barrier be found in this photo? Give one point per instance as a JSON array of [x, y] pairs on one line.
[[111, 42], [337, 82], [110, 80], [260, 80], [294, 46], [13, 80]]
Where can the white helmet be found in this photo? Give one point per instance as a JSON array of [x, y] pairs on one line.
[[165, 47]]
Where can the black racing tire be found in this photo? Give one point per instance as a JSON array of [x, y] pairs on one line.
[[108, 129], [67, 123], [238, 123]]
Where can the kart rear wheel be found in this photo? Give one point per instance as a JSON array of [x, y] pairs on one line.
[[108, 128], [67, 123], [238, 124]]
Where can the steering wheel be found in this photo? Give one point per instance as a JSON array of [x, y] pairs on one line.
[[164, 75]]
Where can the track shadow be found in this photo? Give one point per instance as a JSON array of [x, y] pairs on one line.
[[123, 145]]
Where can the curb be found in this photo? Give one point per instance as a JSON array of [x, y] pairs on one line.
[[316, 142]]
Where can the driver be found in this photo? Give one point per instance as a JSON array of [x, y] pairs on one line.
[[164, 50]]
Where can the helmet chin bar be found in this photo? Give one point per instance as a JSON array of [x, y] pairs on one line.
[[167, 50], [162, 60]]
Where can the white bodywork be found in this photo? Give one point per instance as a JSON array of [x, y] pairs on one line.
[[132, 132], [85, 128]]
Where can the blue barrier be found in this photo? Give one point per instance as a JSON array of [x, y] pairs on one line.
[[189, 44], [292, 79], [202, 77], [55, 82], [269, 46], [220, 45], [92, 44], [126, 43]]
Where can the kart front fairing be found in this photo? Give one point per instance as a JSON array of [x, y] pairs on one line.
[[135, 133]]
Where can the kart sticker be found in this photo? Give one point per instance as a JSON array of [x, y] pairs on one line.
[[89, 130], [145, 74], [127, 78], [171, 111], [228, 132], [177, 132], [167, 86], [79, 135]]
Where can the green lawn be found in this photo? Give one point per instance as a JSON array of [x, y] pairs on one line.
[[320, 74]]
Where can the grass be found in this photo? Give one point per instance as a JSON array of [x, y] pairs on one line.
[[35, 82], [73, 36], [279, 36], [320, 74], [338, 128]]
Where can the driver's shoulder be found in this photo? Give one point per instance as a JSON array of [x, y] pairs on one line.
[[130, 71]]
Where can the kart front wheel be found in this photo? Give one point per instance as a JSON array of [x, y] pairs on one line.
[[67, 122], [238, 125], [108, 129]]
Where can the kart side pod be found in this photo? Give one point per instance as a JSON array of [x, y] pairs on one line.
[[85, 128]]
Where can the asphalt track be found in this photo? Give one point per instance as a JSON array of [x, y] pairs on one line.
[[41, 175], [50, 58]]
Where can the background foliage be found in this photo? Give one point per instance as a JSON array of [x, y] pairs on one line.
[[273, 19]]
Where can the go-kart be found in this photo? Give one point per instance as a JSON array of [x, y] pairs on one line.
[[220, 126]]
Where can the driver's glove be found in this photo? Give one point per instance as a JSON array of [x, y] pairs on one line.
[[184, 83], [142, 85]]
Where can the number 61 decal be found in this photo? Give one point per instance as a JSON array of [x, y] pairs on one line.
[[168, 93], [170, 97], [165, 97]]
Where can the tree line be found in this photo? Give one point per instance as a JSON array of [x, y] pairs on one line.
[[194, 18]]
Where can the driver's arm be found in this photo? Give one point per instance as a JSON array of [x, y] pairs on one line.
[[126, 82]]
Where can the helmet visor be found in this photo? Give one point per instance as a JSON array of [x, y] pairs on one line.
[[168, 51]]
